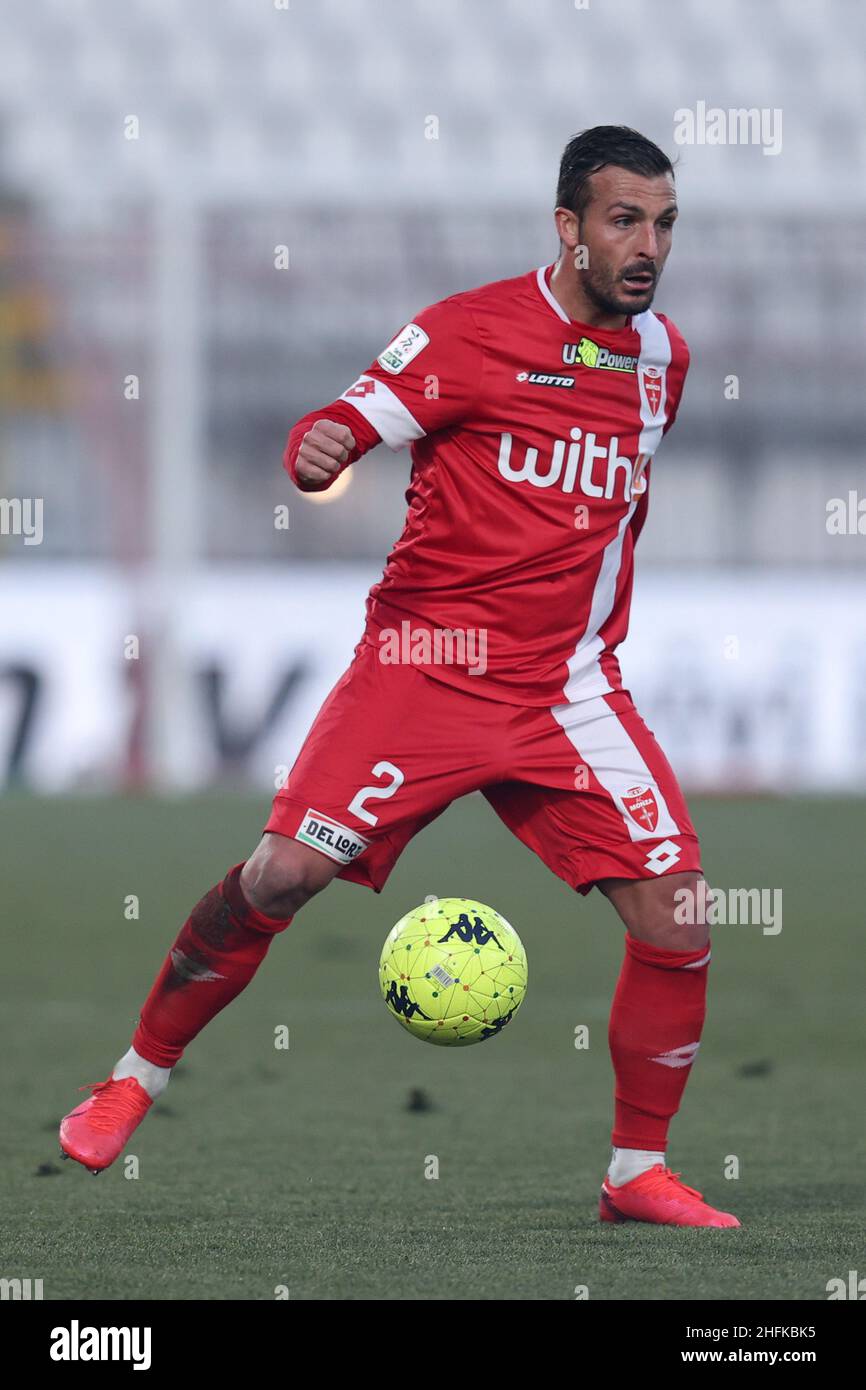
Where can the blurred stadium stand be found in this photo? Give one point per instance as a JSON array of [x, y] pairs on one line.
[[306, 126]]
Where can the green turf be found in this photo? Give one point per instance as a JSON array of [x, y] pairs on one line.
[[305, 1167]]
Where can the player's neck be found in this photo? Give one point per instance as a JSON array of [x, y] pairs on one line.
[[566, 290]]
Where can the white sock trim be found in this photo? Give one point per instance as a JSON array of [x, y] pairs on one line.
[[154, 1079], [626, 1164]]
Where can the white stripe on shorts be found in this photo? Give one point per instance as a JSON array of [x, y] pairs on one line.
[[602, 743]]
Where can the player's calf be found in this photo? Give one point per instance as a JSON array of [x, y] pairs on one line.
[[656, 1021], [282, 874], [214, 957]]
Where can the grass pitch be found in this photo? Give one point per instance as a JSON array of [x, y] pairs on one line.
[[266, 1169]]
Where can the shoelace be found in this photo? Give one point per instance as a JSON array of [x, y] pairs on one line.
[[113, 1109], [662, 1176]]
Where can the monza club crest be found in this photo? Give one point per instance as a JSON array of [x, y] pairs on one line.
[[652, 379], [641, 804]]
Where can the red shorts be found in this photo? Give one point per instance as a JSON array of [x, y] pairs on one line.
[[585, 785]]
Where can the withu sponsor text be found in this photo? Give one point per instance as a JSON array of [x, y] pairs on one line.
[[574, 463]]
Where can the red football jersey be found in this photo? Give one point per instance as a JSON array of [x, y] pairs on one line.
[[531, 437]]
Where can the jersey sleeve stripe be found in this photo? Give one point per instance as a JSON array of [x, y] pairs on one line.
[[385, 411]]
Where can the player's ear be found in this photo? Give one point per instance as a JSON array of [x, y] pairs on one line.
[[568, 227]]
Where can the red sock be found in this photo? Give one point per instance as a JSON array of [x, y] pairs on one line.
[[218, 951], [655, 1028]]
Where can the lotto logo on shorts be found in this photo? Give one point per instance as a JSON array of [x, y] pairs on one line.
[[663, 857], [330, 837]]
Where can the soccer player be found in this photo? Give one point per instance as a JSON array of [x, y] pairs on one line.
[[534, 407]]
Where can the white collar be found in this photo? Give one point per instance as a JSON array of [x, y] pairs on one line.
[[548, 294]]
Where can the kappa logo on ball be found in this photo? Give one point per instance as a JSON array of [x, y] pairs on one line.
[[330, 837], [652, 380], [641, 804], [404, 348]]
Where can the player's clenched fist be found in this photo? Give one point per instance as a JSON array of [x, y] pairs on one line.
[[324, 449]]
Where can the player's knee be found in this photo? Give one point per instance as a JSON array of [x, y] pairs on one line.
[[676, 895], [667, 912], [677, 915], [281, 875]]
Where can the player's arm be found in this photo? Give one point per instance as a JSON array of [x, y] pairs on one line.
[[324, 442], [639, 515], [426, 379], [677, 372]]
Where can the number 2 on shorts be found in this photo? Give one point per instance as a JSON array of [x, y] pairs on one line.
[[383, 769]]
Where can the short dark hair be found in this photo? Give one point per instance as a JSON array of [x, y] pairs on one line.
[[593, 149]]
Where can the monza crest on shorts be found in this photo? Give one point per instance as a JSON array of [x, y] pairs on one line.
[[652, 378], [641, 804]]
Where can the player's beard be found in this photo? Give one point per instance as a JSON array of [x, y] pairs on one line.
[[608, 293]]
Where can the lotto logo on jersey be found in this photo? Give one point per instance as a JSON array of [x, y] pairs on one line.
[[329, 836], [544, 379], [404, 349]]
